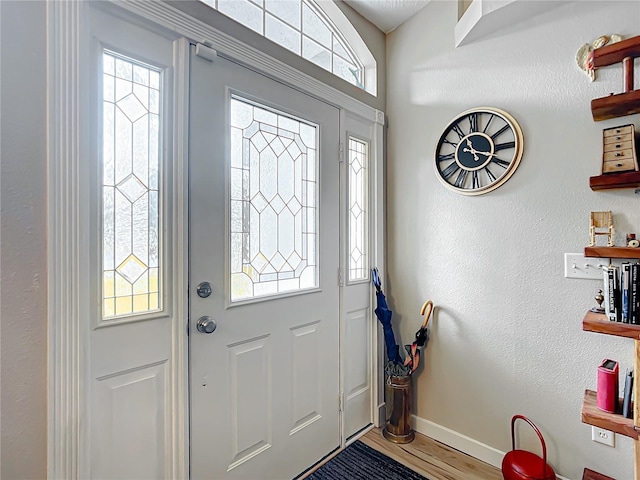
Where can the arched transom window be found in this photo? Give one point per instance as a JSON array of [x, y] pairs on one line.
[[317, 31]]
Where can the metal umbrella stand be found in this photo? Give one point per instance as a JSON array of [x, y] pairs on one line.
[[398, 371]]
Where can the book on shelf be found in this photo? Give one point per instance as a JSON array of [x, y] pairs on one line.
[[627, 410], [611, 277], [608, 292], [621, 290], [625, 281], [633, 294]]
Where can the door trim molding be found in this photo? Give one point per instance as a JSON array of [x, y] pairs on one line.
[[67, 302], [377, 238], [180, 260]]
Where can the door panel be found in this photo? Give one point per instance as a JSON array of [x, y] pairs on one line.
[[306, 388], [265, 383], [132, 406], [357, 375], [251, 430]]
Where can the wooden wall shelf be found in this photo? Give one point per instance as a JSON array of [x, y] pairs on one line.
[[599, 323], [612, 252], [627, 103], [610, 181], [616, 52], [613, 106], [615, 422]]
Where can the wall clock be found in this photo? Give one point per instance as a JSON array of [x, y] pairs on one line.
[[478, 151]]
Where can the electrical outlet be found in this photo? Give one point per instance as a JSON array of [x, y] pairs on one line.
[[603, 436], [576, 265]]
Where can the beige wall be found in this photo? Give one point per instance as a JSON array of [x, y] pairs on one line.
[[23, 422], [23, 311], [506, 334]]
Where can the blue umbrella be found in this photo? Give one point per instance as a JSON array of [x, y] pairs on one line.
[[384, 315]]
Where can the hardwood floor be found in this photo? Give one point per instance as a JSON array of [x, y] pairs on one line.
[[432, 459], [429, 458]]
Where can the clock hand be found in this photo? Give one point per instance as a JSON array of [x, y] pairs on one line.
[[474, 152], [488, 154], [471, 150]]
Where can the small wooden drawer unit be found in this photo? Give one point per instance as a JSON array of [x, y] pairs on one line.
[[619, 150]]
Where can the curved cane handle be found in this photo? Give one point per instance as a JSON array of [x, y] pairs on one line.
[[428, 307]]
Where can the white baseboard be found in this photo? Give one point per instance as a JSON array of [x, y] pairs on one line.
[[460, 442], [381, 415], [456, 440]]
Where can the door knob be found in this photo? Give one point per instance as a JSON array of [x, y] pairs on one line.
[[206, 324]]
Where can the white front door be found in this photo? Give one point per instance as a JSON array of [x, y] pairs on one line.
[[264, 233]]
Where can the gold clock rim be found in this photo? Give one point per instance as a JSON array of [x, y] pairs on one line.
[[519, 150]]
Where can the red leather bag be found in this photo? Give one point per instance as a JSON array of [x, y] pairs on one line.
[[523, 465]]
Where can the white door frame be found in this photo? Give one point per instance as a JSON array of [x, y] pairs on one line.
[[68, 215]]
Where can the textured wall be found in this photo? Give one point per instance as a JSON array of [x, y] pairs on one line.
[[23, 420], [506, 335]]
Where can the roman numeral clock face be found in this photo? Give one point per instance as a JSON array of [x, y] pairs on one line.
[[479, 151]]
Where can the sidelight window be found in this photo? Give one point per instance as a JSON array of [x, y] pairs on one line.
[[131, 263], [358, 212]]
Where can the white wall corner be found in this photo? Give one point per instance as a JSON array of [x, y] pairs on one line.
[[486, 17], [467, 22], [461, 442]]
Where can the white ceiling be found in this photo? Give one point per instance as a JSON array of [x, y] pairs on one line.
[[387, 14]]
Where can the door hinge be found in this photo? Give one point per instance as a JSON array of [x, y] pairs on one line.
[[339, 277], [341, 401], [341, 153], [206, 52]]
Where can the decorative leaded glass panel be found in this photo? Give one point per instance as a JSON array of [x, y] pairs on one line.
[[273, 202], [358, 216], [130, 167]]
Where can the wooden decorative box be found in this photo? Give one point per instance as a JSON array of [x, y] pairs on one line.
[[619, 149]]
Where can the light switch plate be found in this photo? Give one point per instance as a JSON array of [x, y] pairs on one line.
[[576, 265]]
